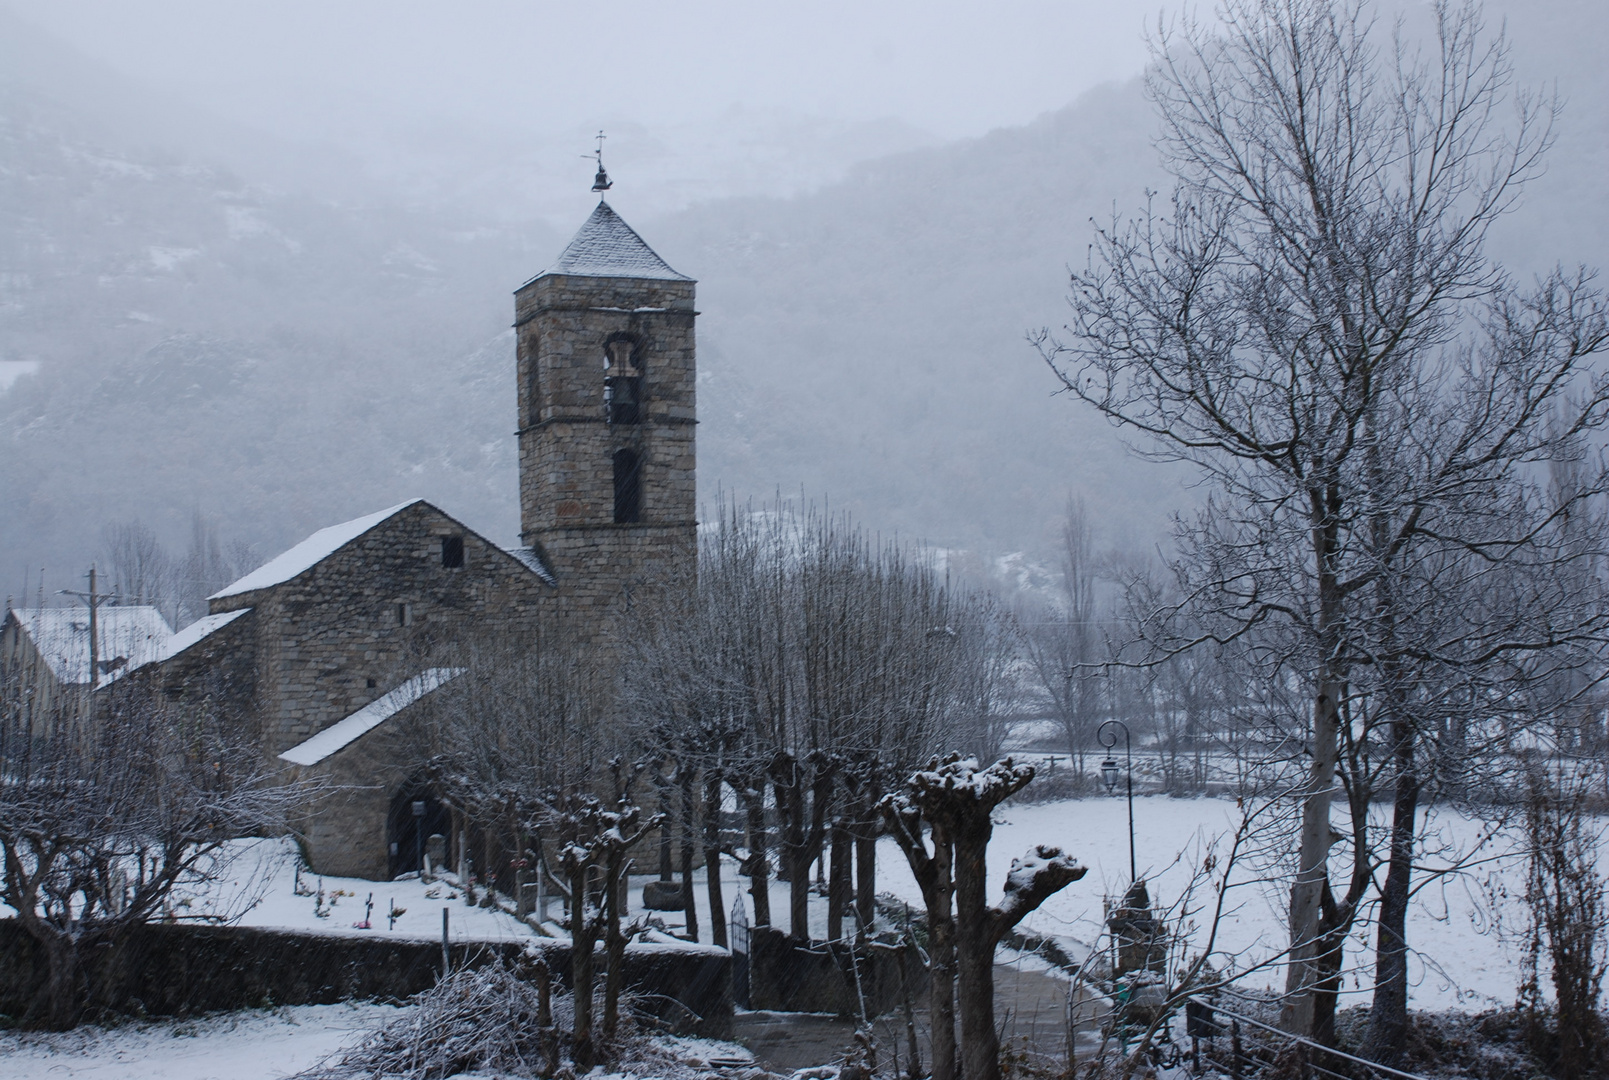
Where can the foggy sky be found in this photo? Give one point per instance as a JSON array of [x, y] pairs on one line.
[[316, 69]]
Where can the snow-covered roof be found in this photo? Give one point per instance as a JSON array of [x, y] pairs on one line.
[[308, 553], [132, 634], [605, 246], [343, 732], [531, 559], [192, 635]]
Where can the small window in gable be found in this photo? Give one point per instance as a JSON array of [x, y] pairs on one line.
[[452, 552], [404, 614]]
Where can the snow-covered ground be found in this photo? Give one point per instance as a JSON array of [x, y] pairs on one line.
[[266, 871], [1457, 964], [254, 1045]]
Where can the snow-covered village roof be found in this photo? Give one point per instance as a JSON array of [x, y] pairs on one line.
[[128, 637], [343, 732], [531, 559], [605, 246], [191, 636], [308, 553]]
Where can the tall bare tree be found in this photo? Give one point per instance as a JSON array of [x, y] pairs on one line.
[[1065, 643], [1314, 325]]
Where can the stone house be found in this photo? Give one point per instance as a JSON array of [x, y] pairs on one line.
[[323, 650]]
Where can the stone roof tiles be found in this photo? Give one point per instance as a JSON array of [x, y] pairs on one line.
[[605, 246]]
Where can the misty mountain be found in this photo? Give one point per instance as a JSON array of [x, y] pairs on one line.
[[282, 358], [205, 343]]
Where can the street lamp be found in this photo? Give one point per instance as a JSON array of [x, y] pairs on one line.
[[1108, 739], [419, 835]]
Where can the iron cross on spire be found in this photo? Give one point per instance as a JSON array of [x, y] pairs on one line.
[[601, 183]]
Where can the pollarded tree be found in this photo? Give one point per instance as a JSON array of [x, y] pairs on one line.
[[1314, 325], [955, 799], [104, 812]]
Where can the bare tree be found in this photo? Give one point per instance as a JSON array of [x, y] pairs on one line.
[[141, 570], [1314, 326], [1568, 904], [1065, 644], [104, 812], [528, 741], [813, 662], [956, 799], [988, 677], [595, 841]]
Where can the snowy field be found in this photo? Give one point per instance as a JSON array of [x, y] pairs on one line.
[[254, 1045], [259, 1044], [1456, 963], [260, 888]]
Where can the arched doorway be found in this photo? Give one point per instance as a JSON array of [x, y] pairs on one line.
[[416, 815]]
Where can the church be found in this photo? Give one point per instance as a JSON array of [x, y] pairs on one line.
[[324, 648]]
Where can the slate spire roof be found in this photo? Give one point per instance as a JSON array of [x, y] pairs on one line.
[[605, 246]]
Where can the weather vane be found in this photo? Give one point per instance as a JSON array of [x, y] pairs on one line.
[[600, 183]]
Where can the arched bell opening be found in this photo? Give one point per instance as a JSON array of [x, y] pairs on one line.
[[416, 816]]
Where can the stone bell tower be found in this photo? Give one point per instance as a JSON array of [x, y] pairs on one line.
[[606, 422]]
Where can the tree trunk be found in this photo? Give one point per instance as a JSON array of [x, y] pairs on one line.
[[941, 957], [63, 1002], [1388, 1017], [689, 898], [759, 858], [1327, 964], [548, 1035], [866, 862], [712, 857], [614, 944], [980, 1043], [583, 936], [795, 853], [838, 880], [1312, 876]]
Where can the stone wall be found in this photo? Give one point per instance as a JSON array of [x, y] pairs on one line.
[[567, 444], [337, 636], [352, 627], [785, 976], [180, 970]]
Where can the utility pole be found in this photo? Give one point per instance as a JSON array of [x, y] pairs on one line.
[[93, 599]]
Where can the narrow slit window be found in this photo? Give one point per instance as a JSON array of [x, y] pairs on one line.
[[404, 614], [452, 552], [628, 487]]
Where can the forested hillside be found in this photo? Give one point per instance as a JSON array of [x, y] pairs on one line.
[[280, 358]]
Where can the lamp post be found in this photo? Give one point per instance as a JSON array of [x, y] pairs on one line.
[[419, 834], [1108, 739]]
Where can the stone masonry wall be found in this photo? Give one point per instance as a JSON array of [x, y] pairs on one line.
[[182, 970], [567, 445], [335, 637]]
